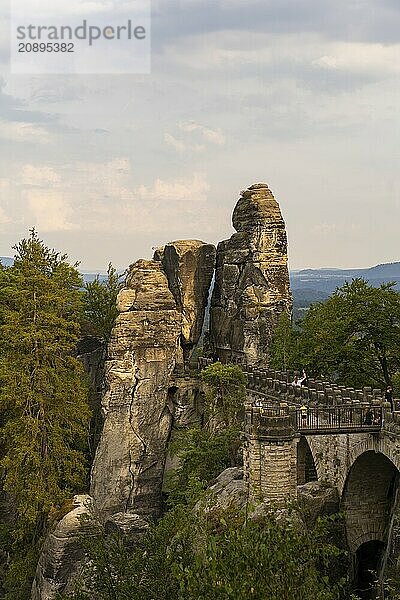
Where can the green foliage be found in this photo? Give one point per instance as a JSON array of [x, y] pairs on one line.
[[284, 346], [396, 384], [222, 555], [20, 571], [43, 393], [225, 393], [353, 337], [100, 304], [202, 457]]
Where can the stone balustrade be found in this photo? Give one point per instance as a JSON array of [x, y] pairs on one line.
[[277, 386]]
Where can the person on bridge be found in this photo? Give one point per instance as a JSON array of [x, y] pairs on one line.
[[389, 396], [368, 416], [298, 381], [303, 413], [377, 419]]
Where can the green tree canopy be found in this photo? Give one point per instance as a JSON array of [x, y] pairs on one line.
[[100, 304], [283, 354], [225, 393], [202, 455], [353, 337], [43, 394]]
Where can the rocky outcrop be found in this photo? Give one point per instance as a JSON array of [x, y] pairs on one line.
[[317, 499], [187, 396], [144, 350], [161, 316], [129, 525], [252, 281], [189, 267], [62, 553], [229, 488]]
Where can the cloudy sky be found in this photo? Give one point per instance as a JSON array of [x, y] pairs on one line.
[[300, 94]]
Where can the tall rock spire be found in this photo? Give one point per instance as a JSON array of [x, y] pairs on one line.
[[252, 286]]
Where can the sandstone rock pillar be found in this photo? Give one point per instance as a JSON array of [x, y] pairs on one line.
[[144, 350], [252, 281], [189, 267]]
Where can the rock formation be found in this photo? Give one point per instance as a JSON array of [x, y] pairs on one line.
[[189, 266], [144, 349], [161, 316], [62, 554], [252, 281]]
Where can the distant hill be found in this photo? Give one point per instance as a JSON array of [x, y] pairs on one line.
[[308, 285], [314, 285], [6, 261]]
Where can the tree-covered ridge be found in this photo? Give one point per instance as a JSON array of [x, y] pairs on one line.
[[352, 338]]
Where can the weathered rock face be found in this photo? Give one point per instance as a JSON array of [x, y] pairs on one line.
[[62, 554], [187, 397], [130, 525], [229, 488], [252, 281], [317, 499], [189, 267], [143, 352]]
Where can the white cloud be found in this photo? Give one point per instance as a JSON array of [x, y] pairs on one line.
[[324, 228], [187, 190], [49, 210], [23, 132], [3, 217], [214, 136], [5, 192], [38, 176], [178, 145], [114, 200], [189, 131], [362, 58]]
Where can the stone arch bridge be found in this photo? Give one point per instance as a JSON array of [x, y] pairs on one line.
[[344, 437]]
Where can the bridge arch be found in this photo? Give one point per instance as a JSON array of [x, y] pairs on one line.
[[306, 468], [369, 443], [316, 455], [367, 500]]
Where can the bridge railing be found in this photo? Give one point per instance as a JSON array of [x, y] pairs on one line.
[[259, 419], [338, 418]]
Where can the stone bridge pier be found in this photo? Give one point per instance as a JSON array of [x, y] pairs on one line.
[[270, 455]]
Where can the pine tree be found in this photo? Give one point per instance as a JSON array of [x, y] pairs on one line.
[[100, 304], [43, 393]]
